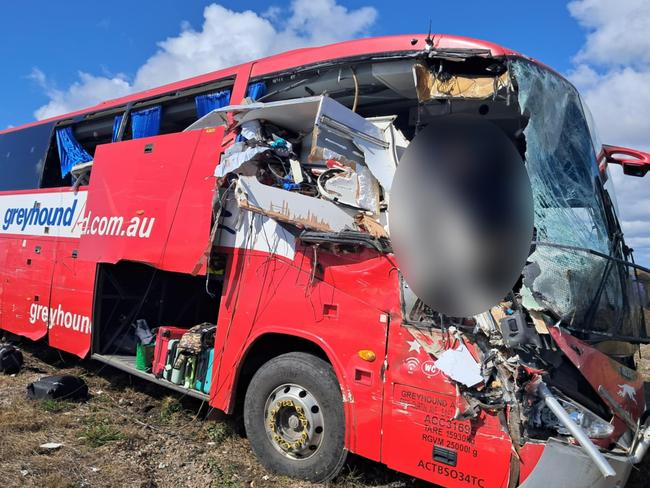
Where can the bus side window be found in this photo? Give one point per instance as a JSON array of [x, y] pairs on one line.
[[79, 143], [180, 113], [22, 154], [51, 176]]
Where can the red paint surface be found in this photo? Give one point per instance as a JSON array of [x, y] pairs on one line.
[[599, 369], [397, 408]]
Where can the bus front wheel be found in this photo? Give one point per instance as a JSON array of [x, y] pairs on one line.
[[293, 414]]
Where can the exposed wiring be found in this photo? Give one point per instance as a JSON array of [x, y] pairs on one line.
[[356, 90]]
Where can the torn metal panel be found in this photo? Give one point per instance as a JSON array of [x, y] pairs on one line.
[[431, 85], [353, 188], [209, 120], [334, 132], [344, 136], [240, 159], [296, 114], [293, 208], [336, 126], [379, 160], [392, 135], [250, 231], [460, 366]]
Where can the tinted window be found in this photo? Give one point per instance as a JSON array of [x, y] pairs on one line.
[[21, 157]]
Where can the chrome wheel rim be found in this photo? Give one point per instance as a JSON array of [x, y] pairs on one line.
[[294, 421]]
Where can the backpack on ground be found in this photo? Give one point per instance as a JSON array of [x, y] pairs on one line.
[[11, 359], [58, 387]]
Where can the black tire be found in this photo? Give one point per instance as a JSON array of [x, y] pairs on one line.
[[314, 378]]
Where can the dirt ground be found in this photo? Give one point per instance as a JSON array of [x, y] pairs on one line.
[[136, 434]]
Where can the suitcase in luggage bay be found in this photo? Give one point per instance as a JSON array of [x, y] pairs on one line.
[[163, 337], [190, 371], [208, 375], [204, 371], [177, 375], [170, 357]]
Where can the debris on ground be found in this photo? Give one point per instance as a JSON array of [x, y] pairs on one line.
[[134, 433]]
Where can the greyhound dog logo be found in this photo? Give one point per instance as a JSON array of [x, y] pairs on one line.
[[626, 391]]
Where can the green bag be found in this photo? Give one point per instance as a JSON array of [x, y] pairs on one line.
[[144, 356]]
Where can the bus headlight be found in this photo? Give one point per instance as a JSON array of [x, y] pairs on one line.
[[592, 424]]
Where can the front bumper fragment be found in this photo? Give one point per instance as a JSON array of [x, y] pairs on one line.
[[564, 464]]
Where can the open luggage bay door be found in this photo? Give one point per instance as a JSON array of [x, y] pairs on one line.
[[150, 201]]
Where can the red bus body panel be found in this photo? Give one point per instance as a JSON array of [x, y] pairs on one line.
[[150, 201]]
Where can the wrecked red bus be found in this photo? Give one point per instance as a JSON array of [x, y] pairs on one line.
[[256, 198]]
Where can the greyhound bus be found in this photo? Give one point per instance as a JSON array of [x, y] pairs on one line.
[[257, 198]]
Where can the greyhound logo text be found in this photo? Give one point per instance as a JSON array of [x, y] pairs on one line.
[[58, 317], [39, 215]]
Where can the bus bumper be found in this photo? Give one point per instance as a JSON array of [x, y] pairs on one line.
[[564, 464]]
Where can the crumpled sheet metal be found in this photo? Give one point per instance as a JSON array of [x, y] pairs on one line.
[[366, 149], [336, 131], [354, 188], [290, 207], [236, 157], [252, 231]]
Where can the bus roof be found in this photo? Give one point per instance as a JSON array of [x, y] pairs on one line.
[[293, 59]]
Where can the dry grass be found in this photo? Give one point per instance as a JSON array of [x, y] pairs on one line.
[[133, 433]]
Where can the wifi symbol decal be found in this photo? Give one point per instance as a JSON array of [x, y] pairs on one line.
[[412, 364]]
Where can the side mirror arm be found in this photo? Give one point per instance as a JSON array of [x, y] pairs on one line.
[[634, 163]]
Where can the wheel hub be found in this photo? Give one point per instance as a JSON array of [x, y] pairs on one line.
[[294, 421]]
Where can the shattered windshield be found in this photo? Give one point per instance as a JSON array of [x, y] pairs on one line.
[[573, 215]]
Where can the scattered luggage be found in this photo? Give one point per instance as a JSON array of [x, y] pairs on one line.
[[58, 387], [197, 338], [11, 359], [161, 349], [185, 356]]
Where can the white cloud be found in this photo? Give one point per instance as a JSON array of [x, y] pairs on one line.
[[612, 71], [617, 31], [86, 91], [226, 38]]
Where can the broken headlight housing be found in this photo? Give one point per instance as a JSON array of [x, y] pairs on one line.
[[594, 426]]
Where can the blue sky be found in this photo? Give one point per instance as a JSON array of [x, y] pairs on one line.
[[61, 56], [107, 38]]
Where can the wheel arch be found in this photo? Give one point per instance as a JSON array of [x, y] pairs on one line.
[[268, 345]]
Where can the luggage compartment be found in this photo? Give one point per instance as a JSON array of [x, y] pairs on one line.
[[171, 303]]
